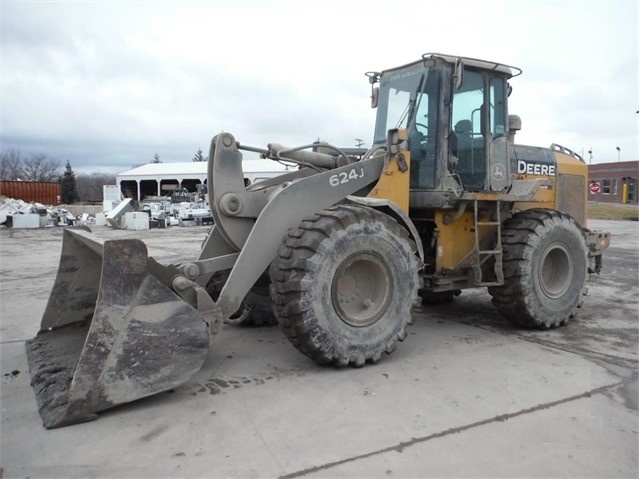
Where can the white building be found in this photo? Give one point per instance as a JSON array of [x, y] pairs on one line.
[[156, 179]]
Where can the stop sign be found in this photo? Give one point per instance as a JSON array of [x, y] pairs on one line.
[[595, 187]]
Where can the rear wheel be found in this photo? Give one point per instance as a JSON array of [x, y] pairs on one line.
[[545, 266], [258, 299], [343, 285], [256, 308]]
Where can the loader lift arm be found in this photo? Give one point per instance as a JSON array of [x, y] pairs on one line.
[[250, 222], [130, 327]]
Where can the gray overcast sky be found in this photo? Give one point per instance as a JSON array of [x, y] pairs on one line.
[[107, 84]]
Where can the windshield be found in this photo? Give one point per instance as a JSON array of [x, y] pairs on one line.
[[409, 98], [398, 99]]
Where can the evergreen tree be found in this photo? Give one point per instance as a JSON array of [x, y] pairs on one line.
[[156, 159], [199, 156], [68, 186]]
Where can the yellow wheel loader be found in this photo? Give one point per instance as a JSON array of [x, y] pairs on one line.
[[444, 200]]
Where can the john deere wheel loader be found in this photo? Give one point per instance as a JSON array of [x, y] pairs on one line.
[[444, 200]]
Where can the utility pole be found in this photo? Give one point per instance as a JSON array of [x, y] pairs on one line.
[[360, 142]]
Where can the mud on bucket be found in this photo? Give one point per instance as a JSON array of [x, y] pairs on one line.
[[113, 331]]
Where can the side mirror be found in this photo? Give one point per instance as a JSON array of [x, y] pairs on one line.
[[374, 96], [373, 77]]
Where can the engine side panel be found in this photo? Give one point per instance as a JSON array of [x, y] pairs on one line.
[[531, 162], [571, 194]]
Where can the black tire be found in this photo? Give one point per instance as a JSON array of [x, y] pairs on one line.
[[545, 266], [442, 297], [256, 308], [344, 283], [259, 301]]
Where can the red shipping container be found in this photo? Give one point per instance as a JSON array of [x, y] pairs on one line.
[[44, 192]]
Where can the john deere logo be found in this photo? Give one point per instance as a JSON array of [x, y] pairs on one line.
[[526, 168]]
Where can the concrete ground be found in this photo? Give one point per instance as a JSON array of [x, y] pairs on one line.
[[466, 395]]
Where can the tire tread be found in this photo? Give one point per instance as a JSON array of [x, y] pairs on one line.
[[295, 266]]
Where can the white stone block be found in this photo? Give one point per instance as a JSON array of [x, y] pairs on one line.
[[114, 216], [29, 220], [100, 219], [136, 221]]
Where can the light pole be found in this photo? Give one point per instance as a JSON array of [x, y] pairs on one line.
[[618, 154]]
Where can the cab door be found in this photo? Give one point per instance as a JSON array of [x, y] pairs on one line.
[[478, 123]]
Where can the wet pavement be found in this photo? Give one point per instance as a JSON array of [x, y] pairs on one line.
[[465, 395]]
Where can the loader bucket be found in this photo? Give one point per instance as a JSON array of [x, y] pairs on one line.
[[113, 331]]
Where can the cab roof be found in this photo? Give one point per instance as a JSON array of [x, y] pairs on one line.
[[508, 70]]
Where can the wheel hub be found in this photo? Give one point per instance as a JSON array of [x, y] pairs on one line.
[[556, 270], [362, 289]]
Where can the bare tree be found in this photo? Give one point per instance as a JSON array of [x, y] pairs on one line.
[[39, 167], [90, 187], [11, 165]]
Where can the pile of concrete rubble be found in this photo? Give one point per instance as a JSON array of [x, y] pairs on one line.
[[20, 214]]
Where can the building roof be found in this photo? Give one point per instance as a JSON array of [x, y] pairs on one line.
[[193, 169]]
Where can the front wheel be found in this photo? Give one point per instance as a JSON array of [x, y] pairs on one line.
[[545, 266], [343, 285]]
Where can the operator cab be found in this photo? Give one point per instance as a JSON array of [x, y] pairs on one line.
[[455, 110]]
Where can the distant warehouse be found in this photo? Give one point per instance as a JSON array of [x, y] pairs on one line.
[[157, 179], [614, 182]]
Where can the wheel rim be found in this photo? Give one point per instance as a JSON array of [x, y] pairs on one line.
[[556, 271], [362, 289]]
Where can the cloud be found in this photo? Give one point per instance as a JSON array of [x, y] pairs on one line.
[[109, 84]]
